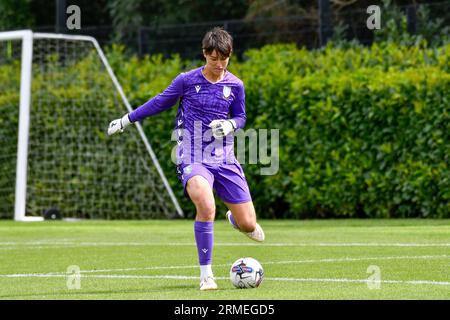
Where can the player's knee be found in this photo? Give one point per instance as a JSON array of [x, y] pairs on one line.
[[206, 208], [198, 188], [203, 201], [247, 225], [202, 197]]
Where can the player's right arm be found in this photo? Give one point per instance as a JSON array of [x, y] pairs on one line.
[[157, 104]]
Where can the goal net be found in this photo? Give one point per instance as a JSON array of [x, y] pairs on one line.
[[58, 95]]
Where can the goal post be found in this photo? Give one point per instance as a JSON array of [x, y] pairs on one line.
[[67, 93]]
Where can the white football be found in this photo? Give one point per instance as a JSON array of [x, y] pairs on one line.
[[246, 273]]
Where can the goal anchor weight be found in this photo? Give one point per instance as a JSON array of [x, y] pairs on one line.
[[52, 214]]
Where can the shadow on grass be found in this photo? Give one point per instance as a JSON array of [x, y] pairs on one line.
[[78, 294], [69, 294]]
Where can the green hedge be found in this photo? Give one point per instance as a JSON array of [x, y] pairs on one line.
[[364, 132], [72, 164], [9, 102]]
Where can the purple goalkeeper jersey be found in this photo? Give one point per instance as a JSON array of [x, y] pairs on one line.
[[201, 102]]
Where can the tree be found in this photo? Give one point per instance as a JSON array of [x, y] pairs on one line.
[[15, 14]]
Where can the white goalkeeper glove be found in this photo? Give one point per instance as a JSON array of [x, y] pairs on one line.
[[221, 128], [118, 125]]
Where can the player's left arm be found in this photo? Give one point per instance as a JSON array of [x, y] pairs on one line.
[[155, 105], [237, 109], [238, 118]]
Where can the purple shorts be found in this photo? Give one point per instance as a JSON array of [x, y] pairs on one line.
[[227, 179]]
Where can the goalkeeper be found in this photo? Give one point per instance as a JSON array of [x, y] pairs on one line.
[[212, 101]]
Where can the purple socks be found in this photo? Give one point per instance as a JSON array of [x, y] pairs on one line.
[[204, 237], [233, 222]]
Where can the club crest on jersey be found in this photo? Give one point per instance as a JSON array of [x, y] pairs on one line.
[[187, 170], [226, 92]]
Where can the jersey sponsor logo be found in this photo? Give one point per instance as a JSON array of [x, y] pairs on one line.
[[197, 88], [226, 92]]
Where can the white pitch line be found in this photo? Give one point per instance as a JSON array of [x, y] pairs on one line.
[[331, 280], [130, 269], [64, 244], [416, 282], [326, 260], [347, 259]]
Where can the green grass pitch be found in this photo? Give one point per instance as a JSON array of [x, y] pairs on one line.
[[315, 259]]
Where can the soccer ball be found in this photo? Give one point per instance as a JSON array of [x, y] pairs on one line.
[[246, 273]]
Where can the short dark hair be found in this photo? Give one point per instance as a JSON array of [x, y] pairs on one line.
[[218, 39]]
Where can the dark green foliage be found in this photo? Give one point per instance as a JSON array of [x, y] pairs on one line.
[[72, 164], [9, 102], [394, 26], [15, 13], [363, 131]]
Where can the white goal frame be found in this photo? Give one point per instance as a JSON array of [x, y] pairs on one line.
[[27, 36]]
